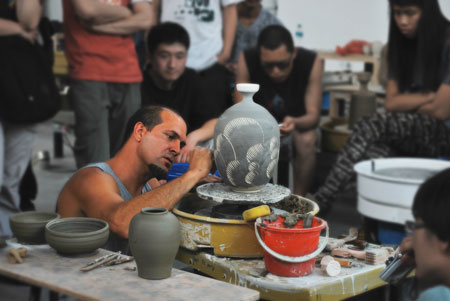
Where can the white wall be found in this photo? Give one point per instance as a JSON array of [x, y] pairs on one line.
[[328, 23], [53, 9]]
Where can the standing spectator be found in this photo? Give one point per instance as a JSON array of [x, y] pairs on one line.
[[416, 122], [211, 26], [252, 18], [104, 71], [291, 89], [20, 17], [167, 82]]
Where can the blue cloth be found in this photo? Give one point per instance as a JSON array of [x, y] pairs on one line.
[[436, 293], [116, 243]]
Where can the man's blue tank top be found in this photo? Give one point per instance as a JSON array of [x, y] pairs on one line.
[[116, 243]]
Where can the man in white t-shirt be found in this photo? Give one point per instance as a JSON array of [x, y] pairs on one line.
[[211, 26]]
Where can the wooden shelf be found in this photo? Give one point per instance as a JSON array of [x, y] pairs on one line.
[[325, 55]]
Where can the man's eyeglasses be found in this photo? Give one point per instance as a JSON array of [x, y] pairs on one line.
[[282, 65], [410, 226]]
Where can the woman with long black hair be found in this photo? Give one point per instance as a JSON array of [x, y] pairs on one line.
[[416, 122]]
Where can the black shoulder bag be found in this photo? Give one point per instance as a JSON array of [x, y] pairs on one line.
[[28, 92]]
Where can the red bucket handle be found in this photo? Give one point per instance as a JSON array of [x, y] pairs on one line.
[[303, 258]]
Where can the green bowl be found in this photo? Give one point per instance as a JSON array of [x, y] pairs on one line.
[[76, 235], [29, 227]]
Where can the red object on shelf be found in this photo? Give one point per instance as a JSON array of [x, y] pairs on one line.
[[352, 47]]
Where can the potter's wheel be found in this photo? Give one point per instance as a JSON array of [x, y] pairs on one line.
[[268, 194], [386, 187]]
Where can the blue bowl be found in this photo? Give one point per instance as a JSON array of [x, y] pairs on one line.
[[179, 169]]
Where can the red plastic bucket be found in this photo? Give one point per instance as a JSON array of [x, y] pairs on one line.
[[290, 252]]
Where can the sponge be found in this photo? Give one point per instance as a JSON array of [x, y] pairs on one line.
[[253, 213]]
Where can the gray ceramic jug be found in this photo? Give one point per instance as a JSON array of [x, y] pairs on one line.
[[154, 238], [363, 102], [246, 143]]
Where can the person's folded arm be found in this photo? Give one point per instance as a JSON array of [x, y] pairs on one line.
[[28, 20], [29, 13], [404, 102], [141, 20], [95, 12], [439, 107], [230, 19], [8, 27]]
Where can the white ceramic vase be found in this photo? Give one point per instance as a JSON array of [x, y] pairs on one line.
[[246, 143]]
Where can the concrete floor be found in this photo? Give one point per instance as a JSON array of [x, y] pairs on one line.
[[51, 176]]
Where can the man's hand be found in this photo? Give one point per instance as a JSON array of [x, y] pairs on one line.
[[406, 248], [154, 182], [288, 126], [30, 36], [222, 58], [201, 161]]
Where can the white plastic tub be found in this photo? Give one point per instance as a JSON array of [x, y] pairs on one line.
[[389, 198]]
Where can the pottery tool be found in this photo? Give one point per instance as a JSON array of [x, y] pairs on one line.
[[352, 235], [346, 252], [16, 255], [376, 256], [330, 266], [343, 262], [121, 259], [252, 214], [99, 262], [107, 260]]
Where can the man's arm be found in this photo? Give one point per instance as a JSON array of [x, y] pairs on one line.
[[141, 20], [29, 13], [205, 132], [28, 19], [156, 8], [404, 102], [97, 12], [229, 19], [97, 195], [313, 102], [242, 76]]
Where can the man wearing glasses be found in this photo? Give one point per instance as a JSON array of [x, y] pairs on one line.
[[290, 82], [428, 245]]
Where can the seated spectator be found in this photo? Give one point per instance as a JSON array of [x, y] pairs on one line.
[[211, 26], [252, 18], [430, 239], [167, 82], [291, 89], [417, 97], [119, 188]]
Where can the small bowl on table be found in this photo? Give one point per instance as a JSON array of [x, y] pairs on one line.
[[76, 235], [29, 227]]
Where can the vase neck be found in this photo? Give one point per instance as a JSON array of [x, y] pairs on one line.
[[247, 96]]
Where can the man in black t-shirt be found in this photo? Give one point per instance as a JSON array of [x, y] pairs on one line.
[[290, 82], [167, 82]]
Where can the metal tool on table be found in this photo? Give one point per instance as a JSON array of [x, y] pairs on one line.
[[107, 260], [352, 235]]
